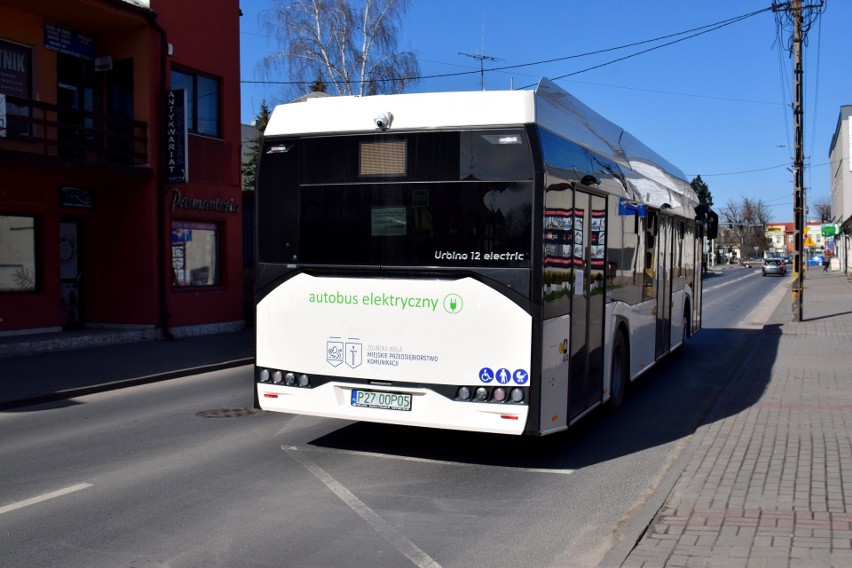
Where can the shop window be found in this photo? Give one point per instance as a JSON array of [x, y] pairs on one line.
[[17, 253], [195, 253], [16, 85], [202, 100]]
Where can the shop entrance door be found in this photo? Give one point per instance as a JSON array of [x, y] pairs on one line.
[[70, 276]]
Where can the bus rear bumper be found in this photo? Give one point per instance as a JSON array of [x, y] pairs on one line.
[[428, 409]]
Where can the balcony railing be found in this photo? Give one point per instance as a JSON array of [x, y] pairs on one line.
[[36, 127]]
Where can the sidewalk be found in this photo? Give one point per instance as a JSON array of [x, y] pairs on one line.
[[767, 480], [47, 377]]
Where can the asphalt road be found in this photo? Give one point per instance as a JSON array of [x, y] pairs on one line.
[[183, 473]]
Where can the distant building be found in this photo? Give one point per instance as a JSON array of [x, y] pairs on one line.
[[840, 159], [120, 142]]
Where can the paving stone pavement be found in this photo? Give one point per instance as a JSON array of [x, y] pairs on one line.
[[769, 483]]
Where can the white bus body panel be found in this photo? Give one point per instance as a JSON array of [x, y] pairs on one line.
[[395, 331], [325, 115]]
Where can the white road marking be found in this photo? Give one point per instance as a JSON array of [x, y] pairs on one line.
[[430, 461], [729, 282], [402, 544], [761, 313], [45, 497]]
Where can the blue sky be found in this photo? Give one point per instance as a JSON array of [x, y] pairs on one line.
[[718, 105]]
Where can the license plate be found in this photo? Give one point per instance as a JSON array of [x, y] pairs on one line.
[[378, 399]]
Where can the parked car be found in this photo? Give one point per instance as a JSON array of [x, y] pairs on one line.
[[815, 260], [774, 266]]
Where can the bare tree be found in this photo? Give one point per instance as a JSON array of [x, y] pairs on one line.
[[349, 45], [822, 207], [746, 222]]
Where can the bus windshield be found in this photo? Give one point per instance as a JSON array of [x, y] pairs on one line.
[[466, 200]]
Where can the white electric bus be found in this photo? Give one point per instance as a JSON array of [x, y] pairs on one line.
[[497, 261]]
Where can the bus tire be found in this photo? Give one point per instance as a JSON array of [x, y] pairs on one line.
[[618, 372], [686, 329]]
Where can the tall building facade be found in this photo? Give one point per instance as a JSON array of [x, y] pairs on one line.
[[120, 192], [840, 160]]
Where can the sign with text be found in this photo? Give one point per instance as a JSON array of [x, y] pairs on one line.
[[15, 76], [177, 163], [68, 42], [76, 197], [2, 115]]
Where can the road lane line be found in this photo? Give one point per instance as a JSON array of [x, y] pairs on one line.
[[728, 283], [402, 544], [430, 461], [761, 313], [41, 498]]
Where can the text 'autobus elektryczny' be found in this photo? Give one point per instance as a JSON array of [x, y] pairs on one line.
[[498, 261]]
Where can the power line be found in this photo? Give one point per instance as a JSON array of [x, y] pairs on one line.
[[701, 31], [705, 30]]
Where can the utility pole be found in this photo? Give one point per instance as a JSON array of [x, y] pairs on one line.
[[801, 17], [798, 168], [481, 58]]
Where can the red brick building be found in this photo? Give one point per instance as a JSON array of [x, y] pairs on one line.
[[120, 184]]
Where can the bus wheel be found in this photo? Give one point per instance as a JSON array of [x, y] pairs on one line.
[[686, 330], [618, 374]]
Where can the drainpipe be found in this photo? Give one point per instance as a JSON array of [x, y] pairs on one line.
[[163, 275]]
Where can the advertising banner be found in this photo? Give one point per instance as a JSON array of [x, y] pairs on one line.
[[177, 162]]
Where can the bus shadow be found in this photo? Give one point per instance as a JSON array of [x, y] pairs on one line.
[[701, 384]]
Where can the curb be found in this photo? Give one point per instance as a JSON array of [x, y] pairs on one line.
[[104, 387], [635, 531]]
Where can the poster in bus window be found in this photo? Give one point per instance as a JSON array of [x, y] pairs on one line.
[[558, 237], [579, 255], [598, 238]]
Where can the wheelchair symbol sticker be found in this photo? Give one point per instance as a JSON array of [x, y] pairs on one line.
[[486, 375]]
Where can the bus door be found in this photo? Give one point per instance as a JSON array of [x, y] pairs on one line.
[[588, 303], [665, 272]]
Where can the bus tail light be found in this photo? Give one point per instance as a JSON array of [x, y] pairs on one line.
[[286, 378], [500, 395], [517, 395]]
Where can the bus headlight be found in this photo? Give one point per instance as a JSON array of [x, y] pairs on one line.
[[289, 379], [304, 380], [277, 377], [499, 394], [481, 394], [264, 375], [463, 394]]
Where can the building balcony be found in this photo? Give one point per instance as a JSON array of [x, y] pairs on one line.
[[39, 130]]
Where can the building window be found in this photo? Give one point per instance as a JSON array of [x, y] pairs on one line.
[[195, 253], [17, 254], [202, 100]]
